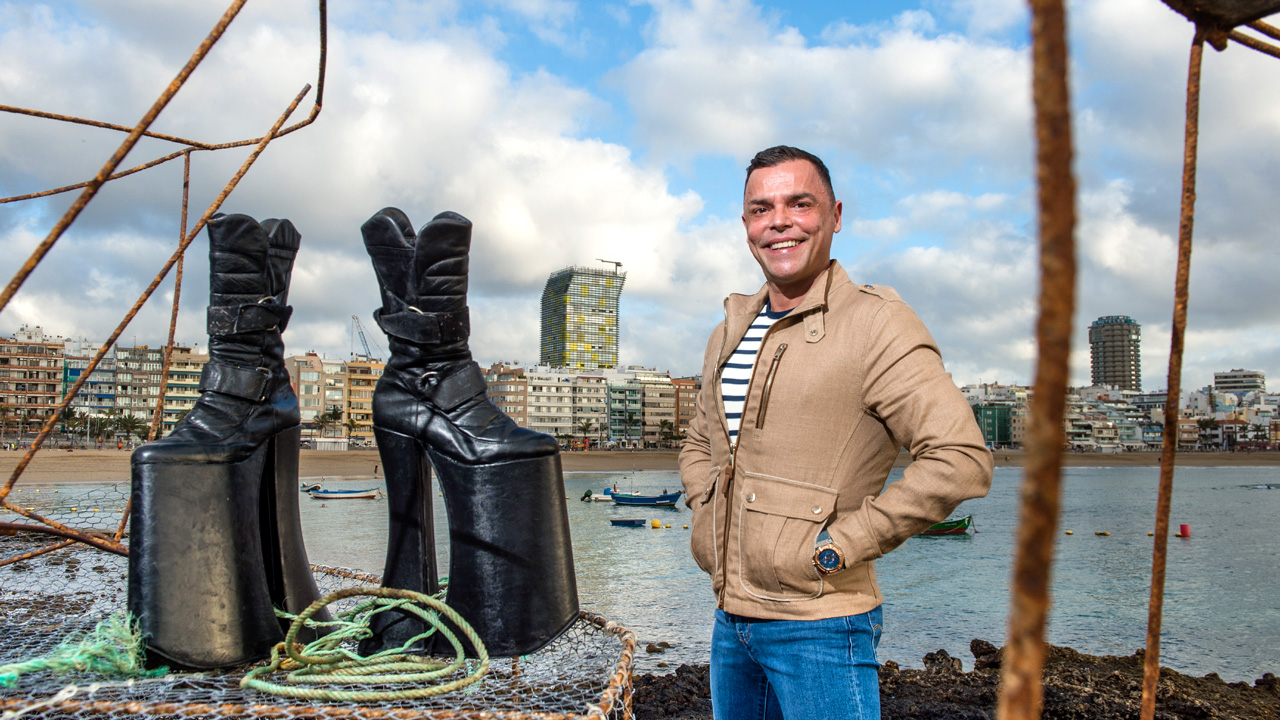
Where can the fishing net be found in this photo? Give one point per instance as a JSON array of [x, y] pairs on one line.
[[69, 593]]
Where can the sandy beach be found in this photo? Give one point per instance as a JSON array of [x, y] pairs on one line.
[[110, 465]]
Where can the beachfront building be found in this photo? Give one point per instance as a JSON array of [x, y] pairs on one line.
[[657, 406], [31, 372], [508, 390], [550, 401], [138, 381], [97, 394], [182, 386], [687, 390], [996, 422], [580, 318], [357, 419], [320, 384], [1115, 349], [1240, 382], [626, 410]]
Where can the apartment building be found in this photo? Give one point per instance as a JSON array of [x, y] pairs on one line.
[[97, 394], [362, 375], [31, 375], [687, 390], [508, 390], [182, 386]]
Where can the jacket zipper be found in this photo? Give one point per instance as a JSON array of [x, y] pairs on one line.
[[768, 386]]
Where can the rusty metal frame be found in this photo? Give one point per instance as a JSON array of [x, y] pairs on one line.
[[1021, 694], [1021, 690], [107, 173]]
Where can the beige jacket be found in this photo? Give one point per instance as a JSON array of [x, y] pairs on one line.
[[840, 384]]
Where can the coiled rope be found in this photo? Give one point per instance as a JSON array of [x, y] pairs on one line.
[[326, 661]]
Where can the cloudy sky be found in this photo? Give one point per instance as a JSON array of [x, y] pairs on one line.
[[569, 131]]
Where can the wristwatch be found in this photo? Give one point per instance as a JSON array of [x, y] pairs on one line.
[[826, 554]]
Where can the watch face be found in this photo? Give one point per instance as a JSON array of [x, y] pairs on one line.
[[828, 559]]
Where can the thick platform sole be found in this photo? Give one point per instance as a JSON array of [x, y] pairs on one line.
[[511, 573], [411, 538], [213, 547]]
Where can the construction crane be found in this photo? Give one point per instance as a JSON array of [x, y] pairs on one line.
[[360, 332], [616, 265]]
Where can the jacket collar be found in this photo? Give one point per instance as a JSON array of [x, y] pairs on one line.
[[833, 276], [740, 310]]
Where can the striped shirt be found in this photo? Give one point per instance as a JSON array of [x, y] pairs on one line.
[[736, 375]]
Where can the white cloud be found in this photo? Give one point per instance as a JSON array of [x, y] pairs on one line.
[[927, 129]]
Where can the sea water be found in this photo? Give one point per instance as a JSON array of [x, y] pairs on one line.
[[1222, 593]]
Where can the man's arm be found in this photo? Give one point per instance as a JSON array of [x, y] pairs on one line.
[[907, 387], [695, 453]]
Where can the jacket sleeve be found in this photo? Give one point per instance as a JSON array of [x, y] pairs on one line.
[[695, 453], [909, 390]]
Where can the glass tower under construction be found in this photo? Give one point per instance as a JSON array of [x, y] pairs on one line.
[[580, 318]]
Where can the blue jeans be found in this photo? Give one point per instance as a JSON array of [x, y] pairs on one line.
[[795, 669]]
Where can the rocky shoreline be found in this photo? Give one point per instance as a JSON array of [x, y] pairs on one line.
[[1076, 687]]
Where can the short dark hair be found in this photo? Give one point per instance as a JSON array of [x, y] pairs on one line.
[[779, 154]]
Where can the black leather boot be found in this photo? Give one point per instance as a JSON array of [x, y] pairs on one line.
[[215, 538], [511, 563]]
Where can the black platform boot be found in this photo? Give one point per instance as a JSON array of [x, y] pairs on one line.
[[215, 538], [511, 563]]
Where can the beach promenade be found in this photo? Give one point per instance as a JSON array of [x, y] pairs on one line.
[[110, 465]]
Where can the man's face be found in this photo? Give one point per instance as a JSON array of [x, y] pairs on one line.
[[790, 220]]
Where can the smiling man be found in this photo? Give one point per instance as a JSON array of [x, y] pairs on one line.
[[810, 388]]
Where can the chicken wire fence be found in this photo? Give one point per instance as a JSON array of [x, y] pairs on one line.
[[52, 597]]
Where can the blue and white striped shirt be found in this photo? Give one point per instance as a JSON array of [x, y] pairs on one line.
[[736, 375]]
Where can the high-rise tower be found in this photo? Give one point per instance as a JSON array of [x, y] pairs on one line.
[[1115, 346], [580, 318]]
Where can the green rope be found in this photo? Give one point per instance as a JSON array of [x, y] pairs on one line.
[[113, 648], [325, 661]]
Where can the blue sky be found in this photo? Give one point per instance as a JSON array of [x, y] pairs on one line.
[[569, 131]]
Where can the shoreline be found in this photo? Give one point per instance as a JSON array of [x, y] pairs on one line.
[[111, 465]]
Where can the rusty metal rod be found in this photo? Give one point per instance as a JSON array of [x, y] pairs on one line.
[[97, 540], [158, 415], [1254, 43], [1021, 693], [99, 124], [146, 294], [45, 530], [1168, 454], [36, 553], [311, 117], [1267, 29], [118, 156]]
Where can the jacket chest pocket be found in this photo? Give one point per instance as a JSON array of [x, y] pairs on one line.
[[778, 521]]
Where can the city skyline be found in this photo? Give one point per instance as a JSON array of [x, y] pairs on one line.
[[570, 131]]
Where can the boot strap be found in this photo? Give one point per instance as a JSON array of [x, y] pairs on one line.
[[248, 383], [449, 391], [429, 328], [232, 319]]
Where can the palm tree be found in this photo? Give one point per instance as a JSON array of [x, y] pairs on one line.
[[666, 431], [586, 426], [631, 422], [326, 420], [133, 425], [5, 409]]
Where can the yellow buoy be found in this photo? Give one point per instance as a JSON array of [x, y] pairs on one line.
[[1150, 534], [686, 527], [655, 524], [666, 526], [1101, 532], [1070, 533]]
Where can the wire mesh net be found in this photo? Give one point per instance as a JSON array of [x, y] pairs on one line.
[[48, 598]]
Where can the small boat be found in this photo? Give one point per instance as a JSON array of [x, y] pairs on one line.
[[959, 526], [308, 487], [627, 522], [590, 496], [322, 494], [662, 499]]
